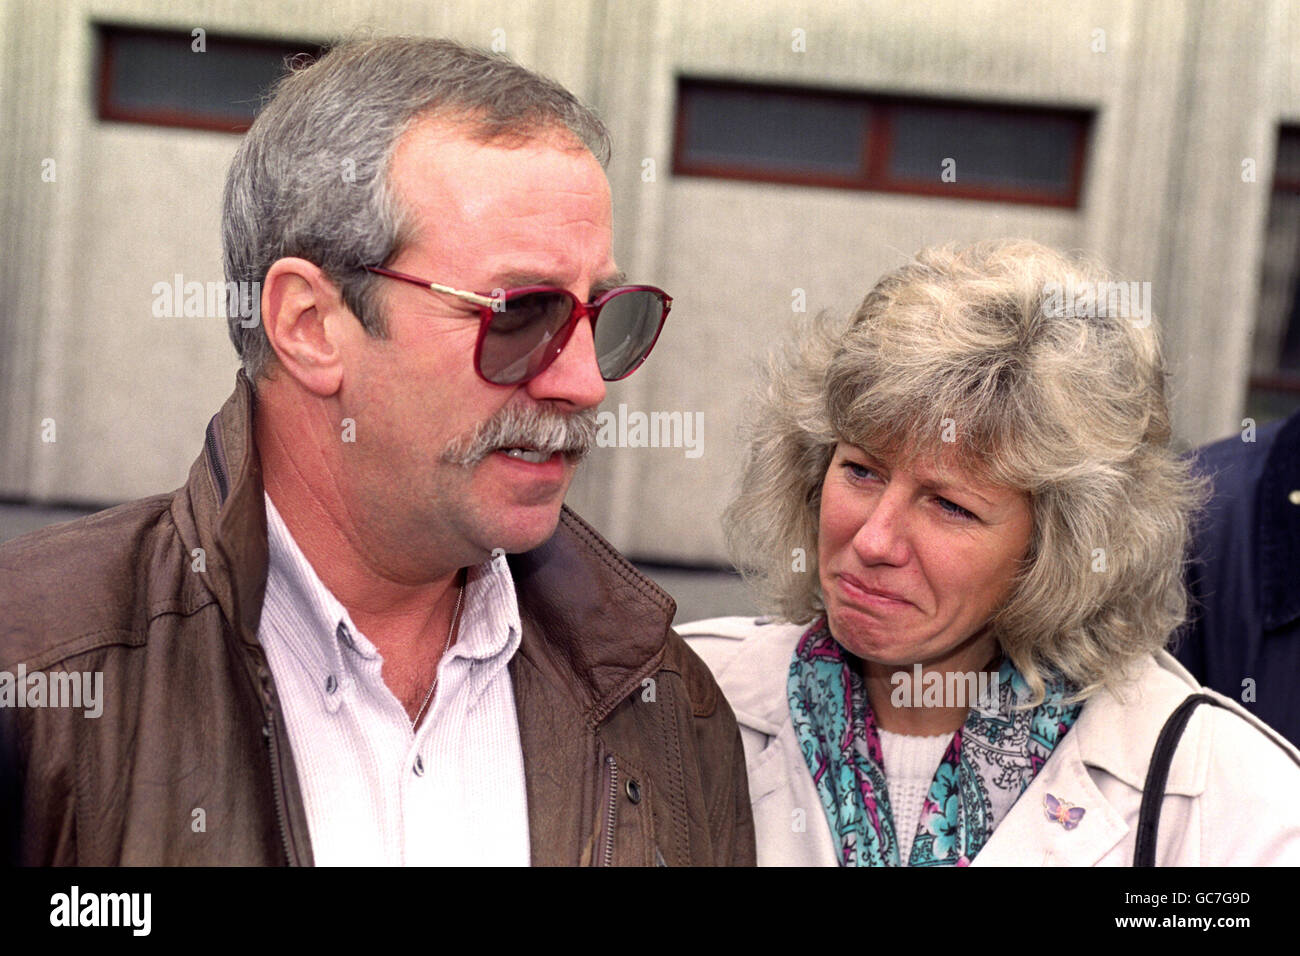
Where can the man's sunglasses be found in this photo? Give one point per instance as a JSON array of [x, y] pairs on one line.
[[522, 331]]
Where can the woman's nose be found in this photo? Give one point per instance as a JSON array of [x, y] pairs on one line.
[[882, 539]]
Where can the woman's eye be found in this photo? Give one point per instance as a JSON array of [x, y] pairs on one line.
[[857, 471], [954, 509]]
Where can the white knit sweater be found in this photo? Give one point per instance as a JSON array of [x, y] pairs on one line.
[[910, 763]]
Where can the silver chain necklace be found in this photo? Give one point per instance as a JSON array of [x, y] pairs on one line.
[[455, 615]]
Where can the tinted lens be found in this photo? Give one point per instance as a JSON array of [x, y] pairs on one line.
[[521, 340], [625, 331]]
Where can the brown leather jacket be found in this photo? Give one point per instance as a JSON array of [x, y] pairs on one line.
[[631, 753]]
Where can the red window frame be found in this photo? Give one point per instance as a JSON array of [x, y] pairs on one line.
[[110, 108], [879, 114]]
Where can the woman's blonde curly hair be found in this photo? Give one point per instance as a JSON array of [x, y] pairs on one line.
[[1044, 392]]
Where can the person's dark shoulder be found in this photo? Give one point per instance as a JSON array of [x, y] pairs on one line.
[[70, 587], [1233, 463]]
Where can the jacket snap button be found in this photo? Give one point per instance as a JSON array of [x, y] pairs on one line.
[[419, 766], [331, 685], [634, 791]]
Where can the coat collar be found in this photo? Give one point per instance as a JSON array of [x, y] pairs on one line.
[[1116, 733], [590, 619], [1117, 730]]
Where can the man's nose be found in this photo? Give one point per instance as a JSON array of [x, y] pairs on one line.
[[883, 537], [574, 377]]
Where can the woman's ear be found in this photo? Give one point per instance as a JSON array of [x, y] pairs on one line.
[[304, 317]]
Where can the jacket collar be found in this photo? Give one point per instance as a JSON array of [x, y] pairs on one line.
[[1279, 529], [221, 511], [590, 619]]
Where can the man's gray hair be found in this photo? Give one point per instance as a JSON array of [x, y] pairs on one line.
[[310, 178]]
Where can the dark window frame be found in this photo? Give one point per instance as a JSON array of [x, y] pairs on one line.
[[878, 131], [110, 109]]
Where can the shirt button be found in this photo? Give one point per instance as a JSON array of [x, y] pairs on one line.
[[419, 766], [1294, 497], [633, 791], [331, 684], [344, 635]]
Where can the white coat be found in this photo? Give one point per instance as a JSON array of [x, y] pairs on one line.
[[1230, 798]]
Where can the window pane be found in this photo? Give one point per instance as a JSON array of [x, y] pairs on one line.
[[154, 77], [772, 131], [1003, 152], [990, 148]]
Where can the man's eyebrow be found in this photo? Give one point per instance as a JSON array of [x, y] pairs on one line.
[[517, 280], [601, 286]]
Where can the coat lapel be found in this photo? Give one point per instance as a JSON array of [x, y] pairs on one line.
[[1027, 824], [1115, 734]]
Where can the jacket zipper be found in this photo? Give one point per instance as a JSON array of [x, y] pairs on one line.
[[276, 777], [611, 811], [215, 456]]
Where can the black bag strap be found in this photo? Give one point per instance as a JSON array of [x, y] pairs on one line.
[[1153, 791]]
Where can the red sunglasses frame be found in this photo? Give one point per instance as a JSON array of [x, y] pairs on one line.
[[488, 307]]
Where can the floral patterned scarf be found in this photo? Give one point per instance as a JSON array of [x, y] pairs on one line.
[[990, 761]]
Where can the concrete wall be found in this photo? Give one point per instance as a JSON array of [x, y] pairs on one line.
[[1184, 92], [132, 205]]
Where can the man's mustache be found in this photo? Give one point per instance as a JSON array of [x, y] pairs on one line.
[[526, 426]]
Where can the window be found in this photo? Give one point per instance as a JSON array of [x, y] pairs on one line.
[[175, 78], [1275, 371], [1004, 153]]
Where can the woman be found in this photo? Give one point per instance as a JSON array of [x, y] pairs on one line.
[[964, 508]]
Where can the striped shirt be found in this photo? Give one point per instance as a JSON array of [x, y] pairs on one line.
[[376, 792]]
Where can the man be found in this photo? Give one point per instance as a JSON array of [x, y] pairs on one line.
[[317, 651], [1244, 636]]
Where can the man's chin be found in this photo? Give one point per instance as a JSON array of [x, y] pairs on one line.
[[525, 528]]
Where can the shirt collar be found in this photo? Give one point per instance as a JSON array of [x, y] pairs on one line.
[[319, 628], [489, 621], [315, 626]]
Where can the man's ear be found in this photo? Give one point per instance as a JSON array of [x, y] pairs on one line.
[[306, 322]]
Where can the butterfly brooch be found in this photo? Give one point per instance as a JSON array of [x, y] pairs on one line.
[[1062, 811]]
